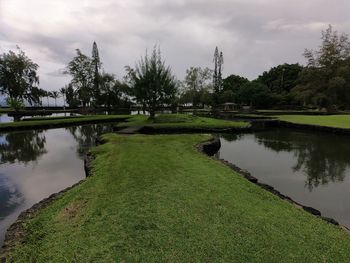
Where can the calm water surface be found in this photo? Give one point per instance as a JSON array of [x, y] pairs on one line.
[[311, 168], [35, 164]]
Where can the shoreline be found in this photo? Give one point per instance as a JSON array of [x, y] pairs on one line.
[[211, 147]]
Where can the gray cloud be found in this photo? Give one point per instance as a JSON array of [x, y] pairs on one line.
[[253, 34]]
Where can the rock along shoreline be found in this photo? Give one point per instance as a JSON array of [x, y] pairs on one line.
[[15, 234], [212, 146]]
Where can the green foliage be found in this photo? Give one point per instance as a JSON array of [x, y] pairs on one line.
[[96, 63], [15, 104], [281, 79], [71, 96], [197, 82], [113, 93], [233, 83], [153, 84], [217, 76], [18, 77], [255, 94], [81, 68], [325, 82], [227, 96]]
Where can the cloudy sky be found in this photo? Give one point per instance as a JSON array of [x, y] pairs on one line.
[[253, 34]]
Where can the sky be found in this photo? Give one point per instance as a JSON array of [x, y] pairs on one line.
[[254, 35]]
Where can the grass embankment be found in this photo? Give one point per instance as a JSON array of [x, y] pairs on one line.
[[336, 121], [181, 121], [52, 122], [156, 199]]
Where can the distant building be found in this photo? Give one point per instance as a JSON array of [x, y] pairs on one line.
[[230, 106]]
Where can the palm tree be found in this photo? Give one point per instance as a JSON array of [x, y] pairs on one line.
[[55, 95], [48, 95], [63, 92]]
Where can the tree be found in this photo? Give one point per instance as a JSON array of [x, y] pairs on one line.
[[18, 78], [81, 68], [325, 82], [217, 76], [114, 93], [197, 80], [63, 93], [71, 96], [281, 79], [255, 94], [96, 62], [152, 83], [55, 95], [233, 83], [48, 96]]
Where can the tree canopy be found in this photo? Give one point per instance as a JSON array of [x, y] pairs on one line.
[[152, 82], [18, 78]]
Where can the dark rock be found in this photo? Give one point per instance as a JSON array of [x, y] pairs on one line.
[[312, 210], [330, 220]]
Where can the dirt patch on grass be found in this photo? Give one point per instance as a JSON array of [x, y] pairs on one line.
[[71, 211]]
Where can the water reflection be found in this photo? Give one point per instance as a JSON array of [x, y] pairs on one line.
[[320, 159], [22, 147], [86, 136], [35, 164], [312, 168]]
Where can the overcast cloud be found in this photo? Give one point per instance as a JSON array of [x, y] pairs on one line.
[[253, 34]]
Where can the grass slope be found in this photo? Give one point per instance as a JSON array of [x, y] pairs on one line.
[[181, 121], [156, 199], [338, 121], [55, 122]]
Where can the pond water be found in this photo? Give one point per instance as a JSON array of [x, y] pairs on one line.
[[311, 168], [34, 164]]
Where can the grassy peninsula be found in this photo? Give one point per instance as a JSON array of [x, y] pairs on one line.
[[53, 122], [336, 121], [181, 121], [157, 199]]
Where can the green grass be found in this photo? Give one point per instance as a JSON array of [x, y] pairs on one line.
[[156, 199], [181, 121], [338, 121], [60, 121], [6, 110]]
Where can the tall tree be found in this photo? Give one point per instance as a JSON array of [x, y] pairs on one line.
[[81, 68], [217, 76], [18, 78], [63, 93], [97, 66], [152, 82]]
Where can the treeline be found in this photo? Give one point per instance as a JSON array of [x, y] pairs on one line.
[[323, 83]]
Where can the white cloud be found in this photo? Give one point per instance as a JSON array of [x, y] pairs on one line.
[[253, 34]]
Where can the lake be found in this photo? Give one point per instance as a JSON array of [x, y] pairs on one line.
[[34, 164], [311, 168]]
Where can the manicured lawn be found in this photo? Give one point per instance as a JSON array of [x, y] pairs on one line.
[[156, 199], [338, 121], [181, 121], [56, 122]]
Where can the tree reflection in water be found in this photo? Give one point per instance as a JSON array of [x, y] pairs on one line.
[[86, 136], [321, 158], [22, 147]]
